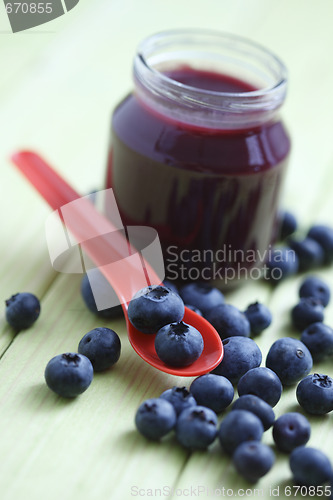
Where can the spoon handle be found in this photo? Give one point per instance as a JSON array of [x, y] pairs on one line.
[[105, 244]]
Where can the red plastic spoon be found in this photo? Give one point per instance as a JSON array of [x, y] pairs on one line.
[[85, 218]]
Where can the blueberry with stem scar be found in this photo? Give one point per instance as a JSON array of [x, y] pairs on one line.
[[178, 344]]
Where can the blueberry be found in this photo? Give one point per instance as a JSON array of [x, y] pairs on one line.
[[290, 359], [323, 234], [102, 346], [153, 307], [288, 224], [239, 426], [213, 391], [282, 262], [315, 287], [195, 309], [196, 427], [318, 338], [291, 430], [69, 374], [310, 467], [253, 460], [261, 382], [201, 295], [22, 310], [240, 355], [259, 317], [310, 254], [315, 394], [178, 344], [105, 293], [155, 418], [228, 321], [180, 398], [257, 406], [309, 310]]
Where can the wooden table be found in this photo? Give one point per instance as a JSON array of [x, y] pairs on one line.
[[58, 85]]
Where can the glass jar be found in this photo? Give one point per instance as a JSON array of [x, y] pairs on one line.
[[199, 152]]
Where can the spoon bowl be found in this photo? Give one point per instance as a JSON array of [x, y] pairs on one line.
[[126, 277], [211, 356]]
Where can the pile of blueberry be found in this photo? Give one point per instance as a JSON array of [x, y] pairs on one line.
[[71, 373], [192, 413], [159, 310], [299, 254], [314, 392]]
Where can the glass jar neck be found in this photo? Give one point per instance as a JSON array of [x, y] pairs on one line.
[[203, 50]]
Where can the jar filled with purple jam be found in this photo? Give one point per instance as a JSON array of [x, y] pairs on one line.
[[199, 151]]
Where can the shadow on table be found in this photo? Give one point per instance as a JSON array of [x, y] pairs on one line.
[[41, 398]]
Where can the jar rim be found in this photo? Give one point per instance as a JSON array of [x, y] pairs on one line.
[[148, 43], [161, 86]]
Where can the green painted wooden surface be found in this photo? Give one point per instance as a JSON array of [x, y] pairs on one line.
[[58, 85]]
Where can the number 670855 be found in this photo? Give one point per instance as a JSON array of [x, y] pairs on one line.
[[31, 8]]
